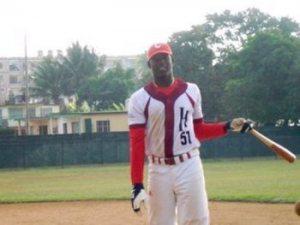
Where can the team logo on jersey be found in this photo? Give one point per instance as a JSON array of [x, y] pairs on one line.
[[185, 136], [183, 118]]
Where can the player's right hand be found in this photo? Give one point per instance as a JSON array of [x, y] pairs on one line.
[[138, 196]]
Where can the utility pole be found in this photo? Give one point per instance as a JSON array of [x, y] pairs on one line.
[[26, 87]]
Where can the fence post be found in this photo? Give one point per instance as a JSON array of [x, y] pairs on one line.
[[24, 156], [62, 154]]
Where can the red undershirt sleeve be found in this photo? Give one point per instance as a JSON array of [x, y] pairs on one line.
[[137, 153], [207, 131]]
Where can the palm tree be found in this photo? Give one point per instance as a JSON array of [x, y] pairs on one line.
[[48, 77], [79, 65]]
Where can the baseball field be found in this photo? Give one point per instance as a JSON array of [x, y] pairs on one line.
[[250, 191]]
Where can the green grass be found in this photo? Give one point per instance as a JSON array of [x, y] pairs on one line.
[[68, 184], [263, 180]]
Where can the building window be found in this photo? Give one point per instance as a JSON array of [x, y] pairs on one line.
[[15, 113], [20, 98], [55, 130], [43, 130], [46, 111], [13, 67], [31, 130], [75, 127], [31, 113], [65, 128], [103, 126], [13, 79]]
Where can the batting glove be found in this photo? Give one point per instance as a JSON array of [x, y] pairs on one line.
[[240, 125], [138, 196], [248, 125]]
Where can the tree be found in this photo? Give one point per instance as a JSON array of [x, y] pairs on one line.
[[263, 77], [144, 74], [208, 54], [80, 64], [193, 60], [112, 87], [228, 32], [292, 99], [48, 79]]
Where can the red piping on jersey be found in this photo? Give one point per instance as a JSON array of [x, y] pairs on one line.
[[168, 101], [146, 110], [191, 100]]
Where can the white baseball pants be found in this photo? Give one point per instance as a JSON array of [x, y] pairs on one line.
[[177, 188]]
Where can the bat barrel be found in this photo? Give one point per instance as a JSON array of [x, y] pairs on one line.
[[275, 147], [284, 153]]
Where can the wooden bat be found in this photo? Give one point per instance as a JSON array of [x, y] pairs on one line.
[[277, 148]]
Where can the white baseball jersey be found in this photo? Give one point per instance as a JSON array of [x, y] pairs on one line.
[[168, 119]]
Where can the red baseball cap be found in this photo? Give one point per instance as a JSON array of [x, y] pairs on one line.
[[159, 48]]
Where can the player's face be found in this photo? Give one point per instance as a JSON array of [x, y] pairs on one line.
[[161, 66]]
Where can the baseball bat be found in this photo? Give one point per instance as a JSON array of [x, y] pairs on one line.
[[275, 147]]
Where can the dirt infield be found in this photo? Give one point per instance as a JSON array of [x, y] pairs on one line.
[[119, 213]]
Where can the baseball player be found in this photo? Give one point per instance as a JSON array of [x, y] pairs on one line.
[[166, 124]]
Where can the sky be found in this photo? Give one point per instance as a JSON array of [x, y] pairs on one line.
[[112, 27]]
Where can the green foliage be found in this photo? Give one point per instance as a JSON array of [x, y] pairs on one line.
[[74, 107], [48, 79], [79, 65], [117, 107], [144, 74], [229, 31], [193, 61], [245, 63], [262, 77], [192, 57], [85, 107], [71, 107], [113, 86], [81, 73]]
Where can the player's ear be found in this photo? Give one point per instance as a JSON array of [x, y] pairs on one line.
[[172, 60]]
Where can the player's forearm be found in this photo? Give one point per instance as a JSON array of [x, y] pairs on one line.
[[207, 131], [137, 154]]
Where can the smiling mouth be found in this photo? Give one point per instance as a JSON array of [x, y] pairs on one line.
[[163, 69]]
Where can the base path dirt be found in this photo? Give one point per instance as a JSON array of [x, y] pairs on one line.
[[119, 213]]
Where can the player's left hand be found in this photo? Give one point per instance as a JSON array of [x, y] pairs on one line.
[[241, 125], [138, 196]]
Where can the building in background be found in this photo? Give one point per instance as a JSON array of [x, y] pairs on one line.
[[12, 74], [47, 119], [14, 116], [78, 123], [12, 79], [126, 62]]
